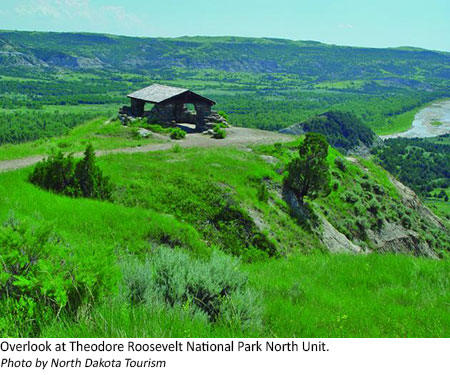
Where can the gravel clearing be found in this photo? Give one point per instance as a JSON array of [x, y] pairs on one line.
[[235, 137]]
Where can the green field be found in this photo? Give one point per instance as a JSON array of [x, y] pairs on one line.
[[102, 133]]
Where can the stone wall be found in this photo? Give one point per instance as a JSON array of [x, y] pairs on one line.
[[169, 114]]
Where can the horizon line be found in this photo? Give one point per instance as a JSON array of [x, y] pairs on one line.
[[222, 36]]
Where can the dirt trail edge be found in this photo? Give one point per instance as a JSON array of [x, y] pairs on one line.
[[235, 137]]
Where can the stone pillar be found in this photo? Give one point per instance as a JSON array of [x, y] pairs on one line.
[[203, 111], [180, 115], [137, 107]]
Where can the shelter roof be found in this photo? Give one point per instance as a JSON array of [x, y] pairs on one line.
[[159, 93]]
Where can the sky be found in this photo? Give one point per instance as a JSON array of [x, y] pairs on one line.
[[367, 23]]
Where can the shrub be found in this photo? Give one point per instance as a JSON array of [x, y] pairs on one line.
[[278, 148], [263, 193], [362, 225], [335, 185], [378, 189], [359, 208], [88, 178], [176, 148], [56, 173], [40, 277], [366, 185], [374, 206], [379, 221], [350, 197], [406, 222], [219, 133], [340, 163], [214, 288], [239, 234], [223, 114], [60, 174], [177, 134]]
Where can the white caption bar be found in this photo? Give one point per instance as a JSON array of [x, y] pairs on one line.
[[224, 356]]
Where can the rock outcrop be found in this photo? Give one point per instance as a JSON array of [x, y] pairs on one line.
[[393, 238], [412, 201], [335, 241]]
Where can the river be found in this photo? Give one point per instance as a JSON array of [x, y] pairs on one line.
[[422, 125]]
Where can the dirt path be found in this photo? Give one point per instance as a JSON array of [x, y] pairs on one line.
[[235, 137]]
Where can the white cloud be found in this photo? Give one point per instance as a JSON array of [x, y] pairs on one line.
[[51, 8], [345, 26], [81, 10], [120, 14]]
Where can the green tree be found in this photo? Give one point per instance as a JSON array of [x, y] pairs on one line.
[[308, 175], [89, 178]]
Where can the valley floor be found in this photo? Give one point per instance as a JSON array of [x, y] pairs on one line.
[[430, 121]]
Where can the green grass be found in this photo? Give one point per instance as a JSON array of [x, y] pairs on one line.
[[112, 320], [101, 133], [85, 222], [399, 123], [307, 296], [439, 205], [355, 296], [163, 195], [82, 108]]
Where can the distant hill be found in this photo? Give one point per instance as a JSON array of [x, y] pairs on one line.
[[264, 83], [314, 61], [343, 130]]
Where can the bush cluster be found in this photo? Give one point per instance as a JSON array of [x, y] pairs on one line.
[[340, 163], [40, 277], [177, 133], [60, 174], [214, 288], [219, 132]]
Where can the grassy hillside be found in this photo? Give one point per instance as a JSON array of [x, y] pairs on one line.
[[342, 130], [224, 54], [207, 202]]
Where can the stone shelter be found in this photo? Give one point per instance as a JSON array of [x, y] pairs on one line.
[[170, 107]]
